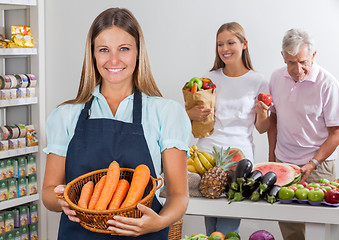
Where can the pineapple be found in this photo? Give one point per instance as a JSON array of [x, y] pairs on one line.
[[213, 182]]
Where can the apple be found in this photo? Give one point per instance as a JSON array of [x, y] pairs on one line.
[[303, 183], [316, 195], [327, 187], [313, 184], [309, 187], [294, 187], [299, 186], [332, 197], [302, 193], [286, 193], [323, 180], [265, 98], [336, 184]]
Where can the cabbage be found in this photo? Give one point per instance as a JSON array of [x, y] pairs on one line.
[[261, 235]]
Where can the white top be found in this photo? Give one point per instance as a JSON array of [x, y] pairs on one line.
[[234, 111], [304, 111]]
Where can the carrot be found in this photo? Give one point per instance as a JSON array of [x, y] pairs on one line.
[[119, 194], [194, 88], [86, 194], [97, 192], [113, 175], [139, 182]]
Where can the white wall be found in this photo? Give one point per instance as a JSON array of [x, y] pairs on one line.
[[180, 36]]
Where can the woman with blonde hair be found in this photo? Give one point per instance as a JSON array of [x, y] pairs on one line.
[[237, 111], [118, 115]]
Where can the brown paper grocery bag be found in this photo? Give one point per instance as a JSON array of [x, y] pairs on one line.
[[201, 129]]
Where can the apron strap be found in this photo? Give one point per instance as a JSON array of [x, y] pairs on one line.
[[137, 103]]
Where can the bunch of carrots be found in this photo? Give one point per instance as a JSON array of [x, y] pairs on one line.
[[111, 192]]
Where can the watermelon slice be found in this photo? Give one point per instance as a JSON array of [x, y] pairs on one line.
[[285, 173], [297, 173], [237, 157]]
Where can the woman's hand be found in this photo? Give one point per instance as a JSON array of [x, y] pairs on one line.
[[198, 113], [64, 205], [262, 116], [125, 226]]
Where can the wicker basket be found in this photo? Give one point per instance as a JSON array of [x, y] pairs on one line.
[[96, 221], [175, 230]]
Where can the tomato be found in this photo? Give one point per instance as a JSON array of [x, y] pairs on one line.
[[316, 195], [219, 234], [265, 98], [332, 196], [323, 180], [309, 187], [302, 193], [294, 187], [286, 193]]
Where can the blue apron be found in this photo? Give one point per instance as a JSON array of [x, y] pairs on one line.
[[95, 144]]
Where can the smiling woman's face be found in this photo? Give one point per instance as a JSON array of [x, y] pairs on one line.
[[115, 52]]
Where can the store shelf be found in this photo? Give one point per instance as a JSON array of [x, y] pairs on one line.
[[18, 102], [19, 2], [18, 201], [8, 52], [18, 152]]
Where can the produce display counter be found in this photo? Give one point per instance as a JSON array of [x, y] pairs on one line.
[[322, 222]]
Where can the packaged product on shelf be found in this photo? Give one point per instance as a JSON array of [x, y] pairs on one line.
[[31, 164], [14, 81], [9, 221], [5, 94], [32, 137], [13, 143], [21, 92], [16, 216], [22, 36], [3, 44], [22, 186], [22, 80], [3, 190], [15, 164], [33, 231], [22, 130], [17, 234], [33, 213], [22, 166], [24, 233], [32, 185], [5, 82], [4, 145], [3, 170], [13, 131], [9, 168], [9, 235], [2, 223], [23, 211], [21, 142], [12, 93], [31, 80], [12, 188], [4, 133], [30, 92]]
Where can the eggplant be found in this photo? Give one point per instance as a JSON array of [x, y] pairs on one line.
[[272, 194], [237, 197], [254, 177], [231, 194], [267, 181], [255, 196], [242, 171]]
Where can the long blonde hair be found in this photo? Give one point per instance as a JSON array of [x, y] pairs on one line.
[[239, 32], [142, 77]]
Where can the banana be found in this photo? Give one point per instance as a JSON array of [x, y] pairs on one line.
[[194, 147], [204, 161], [190, 161], [198, 165], [209, 157], [191, 168]]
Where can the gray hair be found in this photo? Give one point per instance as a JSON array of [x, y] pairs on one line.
[[294, 39]]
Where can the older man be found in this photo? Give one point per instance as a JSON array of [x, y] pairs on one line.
[[304, 126]]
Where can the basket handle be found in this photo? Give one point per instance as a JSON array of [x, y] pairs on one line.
[[161, 183], [59, 196]]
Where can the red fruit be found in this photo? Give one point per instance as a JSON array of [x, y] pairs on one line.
[[332, 196], [293, 187], [265, 98], [309, 187], [303, 183]]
